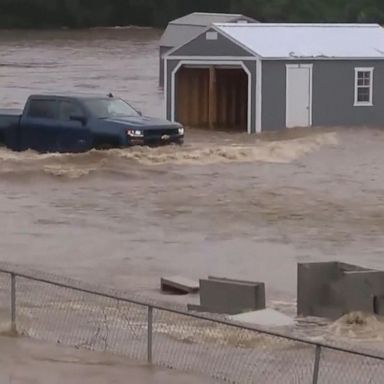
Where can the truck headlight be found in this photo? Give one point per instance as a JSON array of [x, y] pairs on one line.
[[181, 131], [135, 133]]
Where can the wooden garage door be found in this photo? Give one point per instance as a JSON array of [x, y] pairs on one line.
[[232, 99], [192, 93], [212, 98]]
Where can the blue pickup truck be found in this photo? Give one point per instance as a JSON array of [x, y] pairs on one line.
[[74, 123]]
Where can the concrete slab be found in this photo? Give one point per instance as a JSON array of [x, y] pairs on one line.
[[179, 284], [198, 308], [265, 317]]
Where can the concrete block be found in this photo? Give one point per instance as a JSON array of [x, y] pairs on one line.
[[265, 317], [334, 289], [179, 284], [228, 296]]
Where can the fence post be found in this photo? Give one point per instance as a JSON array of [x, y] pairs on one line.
[[317, 365], [13, 303], [149, 334]]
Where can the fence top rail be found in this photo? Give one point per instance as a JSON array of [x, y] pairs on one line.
[[69, 283]]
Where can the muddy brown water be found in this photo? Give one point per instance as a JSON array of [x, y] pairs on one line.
[[224, 204], [24, 361]]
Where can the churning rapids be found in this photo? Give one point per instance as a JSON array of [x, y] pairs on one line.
[[223, 204]]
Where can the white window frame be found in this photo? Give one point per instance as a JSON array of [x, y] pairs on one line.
[[357, 86]]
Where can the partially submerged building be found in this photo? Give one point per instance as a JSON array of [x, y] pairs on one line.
[[333, 289], [259, 77], [185, 28]]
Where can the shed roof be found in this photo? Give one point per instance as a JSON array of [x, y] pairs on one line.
[[204, 19], [187, 27], [279, 41]]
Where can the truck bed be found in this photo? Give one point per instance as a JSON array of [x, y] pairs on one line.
[[11, 111], [9, 124]]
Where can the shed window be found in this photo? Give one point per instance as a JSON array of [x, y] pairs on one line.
[[363, 86]]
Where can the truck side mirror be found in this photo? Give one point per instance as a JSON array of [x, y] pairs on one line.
[[81, 118]]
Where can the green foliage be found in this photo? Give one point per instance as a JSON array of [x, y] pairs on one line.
[[312, 10], [86, 13]]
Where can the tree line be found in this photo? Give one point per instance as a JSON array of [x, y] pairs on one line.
[[89, 13]]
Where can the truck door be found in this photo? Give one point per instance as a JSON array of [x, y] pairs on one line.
[[74, 134], [39, 125]]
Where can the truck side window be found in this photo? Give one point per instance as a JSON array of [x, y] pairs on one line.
[[43, 109], [69, 108]]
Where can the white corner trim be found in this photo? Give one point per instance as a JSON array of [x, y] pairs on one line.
[[369, 103], [237, 63], [310, 66], [165, 80], [173, 90], [249, 111], [287, 66], [259, 96]]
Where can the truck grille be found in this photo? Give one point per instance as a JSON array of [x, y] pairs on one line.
[[154, 133]]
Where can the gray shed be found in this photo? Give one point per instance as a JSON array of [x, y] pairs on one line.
[[185, 28], [262, 77]]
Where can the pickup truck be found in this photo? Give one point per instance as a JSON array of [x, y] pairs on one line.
[[77, 123]]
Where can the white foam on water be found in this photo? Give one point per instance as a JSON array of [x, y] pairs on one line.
[[68, 172], [283, 151], [78, 165], [358, 326]]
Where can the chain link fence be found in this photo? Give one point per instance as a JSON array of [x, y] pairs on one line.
[[5, 302], [71, 313]]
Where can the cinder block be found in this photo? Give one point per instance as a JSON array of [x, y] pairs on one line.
[[334, 289], [228, 296]]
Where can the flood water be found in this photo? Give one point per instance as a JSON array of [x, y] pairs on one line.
[[224, 204]]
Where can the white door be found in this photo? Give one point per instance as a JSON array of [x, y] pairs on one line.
[[299, 95]]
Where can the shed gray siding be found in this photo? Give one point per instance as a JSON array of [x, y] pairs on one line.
[[200, 46], [333, 88], [273, 95], [249, 64]]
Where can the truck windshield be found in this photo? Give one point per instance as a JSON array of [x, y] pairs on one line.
[[108, 108]]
